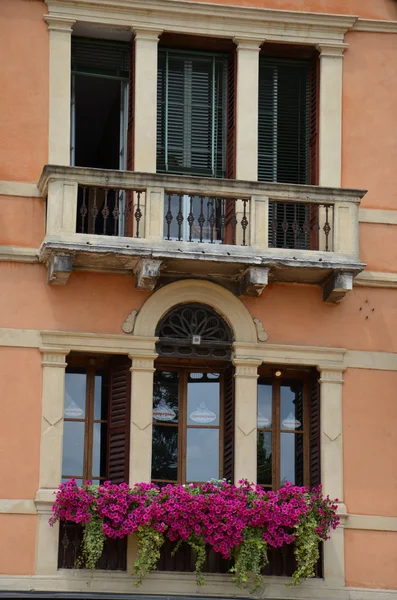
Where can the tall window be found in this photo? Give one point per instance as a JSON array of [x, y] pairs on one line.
[[191, 113], [287, 143], [288, 429]]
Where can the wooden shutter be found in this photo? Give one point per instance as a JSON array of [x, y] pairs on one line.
[[231, 116], [191, 113], [229, 411], [315, 433], [119, 420], [313, 147]]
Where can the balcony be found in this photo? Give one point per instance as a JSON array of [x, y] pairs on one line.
[[166, 227]]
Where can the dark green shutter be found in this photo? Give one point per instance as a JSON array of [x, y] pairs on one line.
[[229, 410], [315, 433], [191, 113], [101, 57]]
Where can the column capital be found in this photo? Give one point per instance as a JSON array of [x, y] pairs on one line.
[[246, 367], [331, 50], [54, 357], [247, 43], [143, 362], [57, 23], [145, 33], [331, 373]]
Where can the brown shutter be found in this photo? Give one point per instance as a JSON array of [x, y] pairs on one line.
[[313, 147], [228, 441], [230, 206], [314, 441], [131, 111], [118, 449]]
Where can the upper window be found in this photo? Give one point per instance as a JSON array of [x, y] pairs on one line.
[[287, 120], [191, 113]]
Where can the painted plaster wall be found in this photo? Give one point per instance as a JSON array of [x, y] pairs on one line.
[[17, 558], [370, 559], [24, 90]]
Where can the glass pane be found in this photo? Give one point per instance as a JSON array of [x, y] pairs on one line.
[[264, 447], [203, 399], [291, 458], [75, 395], [165, 453], [291, 405], [100, 404], [165, 397], [73, 448], [264, 405], [99, 450], [202, 454]]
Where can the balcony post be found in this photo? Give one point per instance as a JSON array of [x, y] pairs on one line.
[[259, 222], [247, 108], [246, 399], [60, 30], [330, 114], [346, 226], [61, 207], [145, 99], [154, 214]]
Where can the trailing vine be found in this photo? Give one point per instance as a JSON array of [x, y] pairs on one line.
[[93, 542], [250, 558], [306, 549], [150, 542]]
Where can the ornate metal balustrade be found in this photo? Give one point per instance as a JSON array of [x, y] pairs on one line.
[[156, 225]]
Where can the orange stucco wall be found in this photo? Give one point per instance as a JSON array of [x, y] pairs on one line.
[[20, 423], [370, 116], [370, 442], [368, 9], [24, 89], [17, 558], [22, 221], [370, 559]]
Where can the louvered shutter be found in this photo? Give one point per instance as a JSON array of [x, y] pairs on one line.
[[313, 148], [191, 113], [231, 116], [283, 143], [100, 57], [229, 412], [315, 434], [119, 420]]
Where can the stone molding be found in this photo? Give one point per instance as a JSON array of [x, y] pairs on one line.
[[19, 188], [210, 19], [19, 254]]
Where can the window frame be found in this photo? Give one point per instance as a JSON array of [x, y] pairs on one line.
[[267, 375], [91, 368], [184, 368]]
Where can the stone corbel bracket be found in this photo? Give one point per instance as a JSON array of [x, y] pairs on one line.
[[337, 287], [129, 323], [253, 281], [147, 272], [59, 269]]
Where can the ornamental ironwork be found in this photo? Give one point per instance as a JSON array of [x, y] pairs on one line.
[[194, 330]]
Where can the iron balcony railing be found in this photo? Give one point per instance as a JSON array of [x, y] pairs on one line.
[[164, 209]]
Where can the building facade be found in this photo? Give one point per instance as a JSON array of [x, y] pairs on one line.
[[198, 272]]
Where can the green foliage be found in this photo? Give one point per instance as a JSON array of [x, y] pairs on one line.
[[93, 541], [250, 558], [150, 542], [306, 549], [198, 546]]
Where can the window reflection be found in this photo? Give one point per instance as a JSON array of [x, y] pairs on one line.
[[291, 458], [165, 453], [264, 449], [75, 395], [73, 448], [291, 406], [202, 454], [203, 399], [264, 405]]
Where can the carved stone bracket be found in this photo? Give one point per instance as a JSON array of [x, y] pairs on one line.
[[59, 269], [129, 323], [147, 273], [253, 281], [336, 288], [260, 330]]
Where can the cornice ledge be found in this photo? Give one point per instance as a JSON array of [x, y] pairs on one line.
[[376, 279], [19, 254], [180, 9], [59, 23], [375, 26]]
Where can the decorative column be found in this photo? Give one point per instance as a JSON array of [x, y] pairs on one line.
[[54, 364], [247, 108], [60, 30], [145, 99], [245, 402], [332, 466], [142, 370], [330, 114]]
